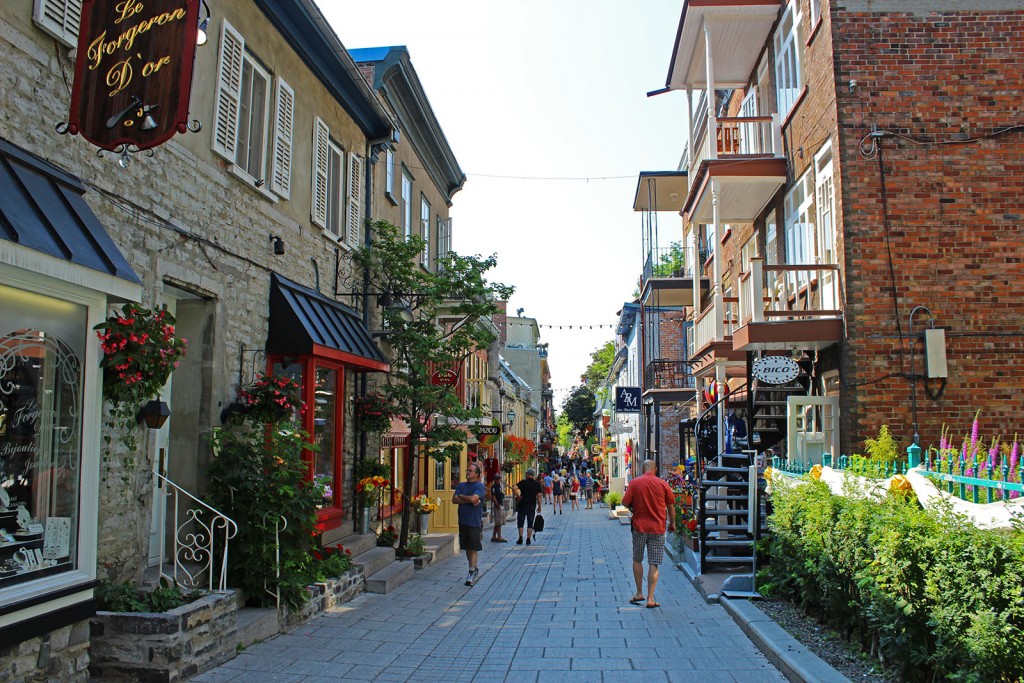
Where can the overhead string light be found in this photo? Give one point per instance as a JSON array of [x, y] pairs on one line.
[[568, 327]]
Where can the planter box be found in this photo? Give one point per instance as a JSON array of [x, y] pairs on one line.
[[164, 646], [325, 595]]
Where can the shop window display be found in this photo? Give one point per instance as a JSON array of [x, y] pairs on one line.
[[42, 344]]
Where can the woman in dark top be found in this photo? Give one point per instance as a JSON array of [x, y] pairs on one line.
[[527, 493], [497, 500]]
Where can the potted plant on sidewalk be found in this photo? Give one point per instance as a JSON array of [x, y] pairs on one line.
[[423, 505]]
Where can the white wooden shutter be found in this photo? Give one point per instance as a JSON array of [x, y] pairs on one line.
[[59, 18], [321, 136], [354, 216], [281, 177], [229, 92]]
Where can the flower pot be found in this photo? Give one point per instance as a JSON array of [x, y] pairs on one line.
[[365, 529], [424, 522], [689, 542]]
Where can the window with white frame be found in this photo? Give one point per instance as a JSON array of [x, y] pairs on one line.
[[789, 80], [425, 229], [389, 177], [799, 212], [748, 251], [815, 12], [406, 204], [253, 116], [337, 182], [59, 18], [443, 238], [824, 191], [771, 239]]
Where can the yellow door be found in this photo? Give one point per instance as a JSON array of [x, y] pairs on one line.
[[442, 478]]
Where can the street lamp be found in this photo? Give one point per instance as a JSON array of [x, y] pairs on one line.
[[511, 417]]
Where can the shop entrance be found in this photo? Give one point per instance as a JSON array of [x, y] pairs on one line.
[[442, 478]]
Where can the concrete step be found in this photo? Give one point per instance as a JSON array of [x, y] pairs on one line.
[[358, 543], [374, 559], [390, 577], [256, 624], [441, 546]]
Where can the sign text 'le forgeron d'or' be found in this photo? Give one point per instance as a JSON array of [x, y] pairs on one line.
[[133, 71]]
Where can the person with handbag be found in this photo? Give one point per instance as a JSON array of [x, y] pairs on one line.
[[528, 504]]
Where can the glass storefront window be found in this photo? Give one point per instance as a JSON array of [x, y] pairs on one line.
[[325, 431], [42, 346]]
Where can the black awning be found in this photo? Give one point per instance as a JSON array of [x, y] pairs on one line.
[[305, 322], [43, 208]]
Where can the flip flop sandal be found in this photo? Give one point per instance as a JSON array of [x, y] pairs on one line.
[[652, 606], [636, 601]]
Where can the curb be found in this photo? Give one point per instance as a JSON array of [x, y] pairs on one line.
[[796, 662]]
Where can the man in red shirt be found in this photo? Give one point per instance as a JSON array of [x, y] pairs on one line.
[[651, 500]]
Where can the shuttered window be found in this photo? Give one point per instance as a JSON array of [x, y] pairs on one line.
[[321, 161], [253, 121], [354, 225], [425, 230], [59, 18]]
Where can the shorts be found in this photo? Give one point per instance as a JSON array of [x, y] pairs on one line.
[[469, 537], [526, 514], [498, 514], [572, 496], [655, 544], [547, 490]]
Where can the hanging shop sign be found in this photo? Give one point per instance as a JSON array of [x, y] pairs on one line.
[[133, 72], [444, 378], [486, 434], [775, 369], [627, 399]]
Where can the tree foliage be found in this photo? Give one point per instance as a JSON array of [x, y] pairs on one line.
[[579, 409], [446, 306], [601, 360]]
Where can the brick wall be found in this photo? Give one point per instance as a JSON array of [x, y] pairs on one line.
[[952, 239]]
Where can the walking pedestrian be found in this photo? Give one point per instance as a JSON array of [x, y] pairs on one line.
[[652, 502], [574, 492], [588, 489], [498, 509], [557, 484], [547, 487], [528, 504], [469, 496]]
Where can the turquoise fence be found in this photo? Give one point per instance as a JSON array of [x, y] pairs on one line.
[[979, 482]]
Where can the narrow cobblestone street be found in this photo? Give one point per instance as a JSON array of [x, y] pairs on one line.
[[557, 610]]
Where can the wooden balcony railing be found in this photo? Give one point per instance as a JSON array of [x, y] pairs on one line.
[[737, 137], [668, 374], [772, 293], [715, 323]]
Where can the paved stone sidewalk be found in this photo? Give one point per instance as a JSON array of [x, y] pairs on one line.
[[554, 611]]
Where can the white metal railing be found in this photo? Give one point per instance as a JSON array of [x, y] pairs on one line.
[[785, 292], [715, 323], [281, 525], [196, 528], [737, 136]]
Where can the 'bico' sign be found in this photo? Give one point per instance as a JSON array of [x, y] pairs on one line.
[[133, 72]]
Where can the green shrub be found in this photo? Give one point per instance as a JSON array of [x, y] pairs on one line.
[[884, 448], [330, 562], [125, 597], [257, 476], [613, 498], [926, 591]]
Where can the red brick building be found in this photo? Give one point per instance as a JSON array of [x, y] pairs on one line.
[[854, 181]]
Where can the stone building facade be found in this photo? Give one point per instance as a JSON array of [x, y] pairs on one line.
[[240, 229]]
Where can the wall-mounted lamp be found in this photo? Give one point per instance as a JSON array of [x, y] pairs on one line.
[[511, 417], [278, 245], [154, 414], [391, 302], [204, 24]]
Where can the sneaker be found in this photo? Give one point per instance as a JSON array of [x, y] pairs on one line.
[[519, 542], [475, 574], [469, 578], [527, 541]]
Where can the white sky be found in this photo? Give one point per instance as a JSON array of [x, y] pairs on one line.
[[545, 89]]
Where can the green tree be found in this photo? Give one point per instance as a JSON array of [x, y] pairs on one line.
[[600, 363], [564, 429], [671, 263], [458, 291], [579, 409]]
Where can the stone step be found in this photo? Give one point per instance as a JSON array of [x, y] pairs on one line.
[[256, 624], [374, 559], [358, 543], [441, 546], [729, 543], [390, 577]]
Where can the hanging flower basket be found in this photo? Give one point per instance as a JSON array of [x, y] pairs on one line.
[[140, 351], [373, 413], [269, 399]]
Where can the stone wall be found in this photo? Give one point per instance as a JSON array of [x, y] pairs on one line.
[[323, 596], [61, 655], [169, 646]]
